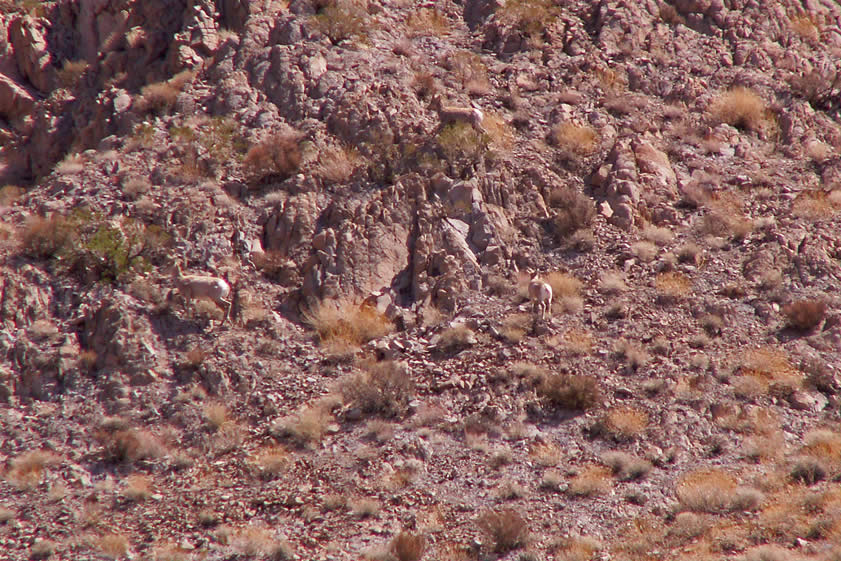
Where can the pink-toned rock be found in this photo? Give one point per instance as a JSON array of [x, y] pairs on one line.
[[15, 101], [27, 37]]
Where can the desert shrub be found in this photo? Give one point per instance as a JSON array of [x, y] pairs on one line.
[[113, 546], [427, 21], [454, 339], [573, 211], [158, 98], [337, 164], [46, 237], [460, 144], [130, 445], [27, 470], [9, 194], [742, 108], [626, 466], [571, 391], [591, 481], [506, 529], [94, 248], [575, 140], [715, 491], [406, 546], [672, 286], [765, 370], [621, 423], [383, 388], [275, 158], [138, 488], [342, 19], [805, 315], [529, 17], [71, 73], [815, 204], [345, 322]]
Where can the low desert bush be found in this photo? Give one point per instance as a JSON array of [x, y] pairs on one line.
[[715, 491], [454, 339], [71, 73], [742, 108], [575, 140], [113, 546], [273, 159], [130, 445], [138, 488], [672, 286], [347, 322], [340, 20], [805, 315], [427, 21], [626, 466], [27, 470], [621, 423], [592, 480], [571, 391], [382, 388], [765, 370], [506, 529], [572, 211], [406, 546]]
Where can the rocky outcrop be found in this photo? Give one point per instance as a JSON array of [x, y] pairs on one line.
[[28, 40]]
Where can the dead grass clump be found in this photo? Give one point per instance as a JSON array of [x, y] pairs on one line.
[[741, 108], [571, 391], [644, 250], [578, 341], [573, 211], [216, 415], [158, 98], [672, 286], [27, 470], [342, 20], [634, 355], [612, 283], [10, 194], [765, 370], [506, 529], [575, 140], [591, 481], [545, 454], [71, 73], [337, 164], [657, 235], [815, 204], [113, 546], [621, 423], [454, 339], [254, 542], [131, 445], [626, 466], [271, 461], [515, 327], [135, 186], [725, 218], [308, 426], [808, 470], [715, 491], [43, 238], [806, 27], [365, 508], [575, 548], [406, 546], [565, 289], [805, 315], [138, 488], [345, 322], [427, 21], [382, 388], [274, 159]]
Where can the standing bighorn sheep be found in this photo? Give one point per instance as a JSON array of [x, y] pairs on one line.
[[540, 293], [202, 286], [453, 114]]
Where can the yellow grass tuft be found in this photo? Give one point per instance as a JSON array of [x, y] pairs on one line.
[[345, 322], [574, 139], [741, 107]]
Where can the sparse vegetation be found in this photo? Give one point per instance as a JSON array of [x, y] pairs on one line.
[[341, 20], [575, 140], [742, 108], [622, 423], [506, 529], [274, 159], [345, 323], [571, 391], [382, 388], [805, 315]]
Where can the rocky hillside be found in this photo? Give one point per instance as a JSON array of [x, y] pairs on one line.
[[370, 182]]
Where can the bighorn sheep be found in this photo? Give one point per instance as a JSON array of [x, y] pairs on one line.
[[452, 114], [201, 286], [540, 293]]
